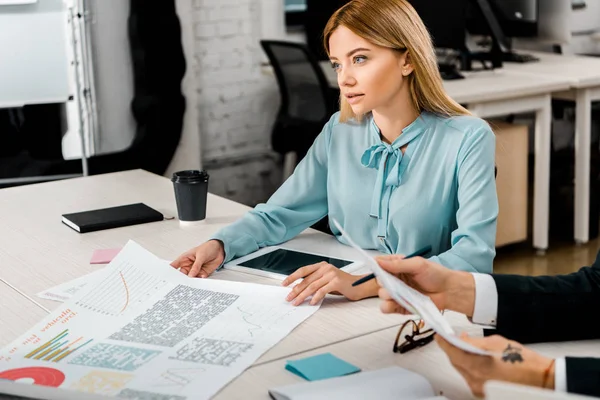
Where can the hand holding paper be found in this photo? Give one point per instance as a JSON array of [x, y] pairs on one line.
[[413, 300]]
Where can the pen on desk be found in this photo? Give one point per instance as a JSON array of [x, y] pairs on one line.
[[418, 253]]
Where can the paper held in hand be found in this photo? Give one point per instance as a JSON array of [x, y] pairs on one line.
[[414, 301]]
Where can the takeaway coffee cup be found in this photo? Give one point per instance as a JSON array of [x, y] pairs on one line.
[[191, 189]]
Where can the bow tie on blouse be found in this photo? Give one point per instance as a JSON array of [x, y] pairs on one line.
[[387, 159]]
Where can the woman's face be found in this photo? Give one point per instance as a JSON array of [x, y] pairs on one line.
[[370, 77]]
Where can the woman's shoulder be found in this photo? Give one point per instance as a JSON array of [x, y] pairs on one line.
[[467, 124]]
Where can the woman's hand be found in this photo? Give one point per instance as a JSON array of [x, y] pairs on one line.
[[323, 278], [201, 261]]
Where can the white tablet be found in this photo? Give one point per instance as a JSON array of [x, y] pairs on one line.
[[278, 262]]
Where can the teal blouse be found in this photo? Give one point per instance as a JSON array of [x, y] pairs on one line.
[[441, 192]]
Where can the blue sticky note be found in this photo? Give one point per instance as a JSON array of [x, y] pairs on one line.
[[322, 366]]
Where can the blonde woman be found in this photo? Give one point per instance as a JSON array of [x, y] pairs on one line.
[[401, 166]]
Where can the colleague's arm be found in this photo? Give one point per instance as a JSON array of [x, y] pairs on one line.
[[297, 204], [473, 241], [571, 374], [549, 308], [478, 297]]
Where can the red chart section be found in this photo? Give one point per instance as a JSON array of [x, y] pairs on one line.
[[41, 375]]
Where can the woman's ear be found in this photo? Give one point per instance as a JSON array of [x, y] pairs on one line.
[[406, 64]]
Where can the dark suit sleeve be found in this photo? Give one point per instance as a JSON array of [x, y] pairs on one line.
[[583, 376], [549, 308]]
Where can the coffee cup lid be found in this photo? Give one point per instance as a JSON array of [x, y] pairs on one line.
[[190, 176]]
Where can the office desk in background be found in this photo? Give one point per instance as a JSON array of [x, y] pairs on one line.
[[583, 74], [495, 93]]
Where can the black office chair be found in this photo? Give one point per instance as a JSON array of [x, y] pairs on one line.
[[307, 101]]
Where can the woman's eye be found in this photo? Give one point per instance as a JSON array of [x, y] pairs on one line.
[[335, 66], [360, 59]]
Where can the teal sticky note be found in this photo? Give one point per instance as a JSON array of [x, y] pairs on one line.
[[322, 366]]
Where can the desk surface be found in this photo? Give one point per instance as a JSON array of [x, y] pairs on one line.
[[17, 314], [582, 71], [369, 352], [39, 252], [374, 351]]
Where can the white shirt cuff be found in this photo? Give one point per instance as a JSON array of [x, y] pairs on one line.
[[485, 310], [560, 375]]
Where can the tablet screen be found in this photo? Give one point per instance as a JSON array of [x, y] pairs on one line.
[[285, 262]]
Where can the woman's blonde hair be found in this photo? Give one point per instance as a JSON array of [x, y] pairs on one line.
[[396, 25]]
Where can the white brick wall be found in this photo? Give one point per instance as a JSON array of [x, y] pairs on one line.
[[236, 102]]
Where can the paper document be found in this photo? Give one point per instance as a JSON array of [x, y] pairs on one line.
[[65, 291], [391, 383], [414, 300], [141, 329]]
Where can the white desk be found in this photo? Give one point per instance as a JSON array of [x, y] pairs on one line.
[[495, 93], [16, 314], [39, 252], [584, 76], [374, 351]]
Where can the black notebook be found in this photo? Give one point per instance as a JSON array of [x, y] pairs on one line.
[[112, 217]]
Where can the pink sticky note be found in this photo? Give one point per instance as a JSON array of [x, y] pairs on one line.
[[104, 256]]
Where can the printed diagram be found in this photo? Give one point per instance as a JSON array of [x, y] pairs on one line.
[[176, 317], [37, 375], [143, 395], [212, 351], [57, 348], [247, 317], [120, 290], [102, 382], [259, 318], [113, 356], [179, 377]]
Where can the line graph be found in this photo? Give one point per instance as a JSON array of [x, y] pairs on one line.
[[261, 319], [126, 291], [245, 316], [120, 290]]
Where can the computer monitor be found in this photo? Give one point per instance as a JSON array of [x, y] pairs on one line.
[[295, 11], [446, 23], [517, 18], [445, 20], [503, 20], [316, 16]]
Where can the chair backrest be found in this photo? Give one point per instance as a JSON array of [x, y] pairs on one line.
[[305, 92]]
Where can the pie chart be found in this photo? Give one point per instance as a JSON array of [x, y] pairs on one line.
[[37, 375]]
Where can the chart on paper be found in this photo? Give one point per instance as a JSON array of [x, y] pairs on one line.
[[58, 347], [66, 290], [138, 330], [125, 287], [259, 318]]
